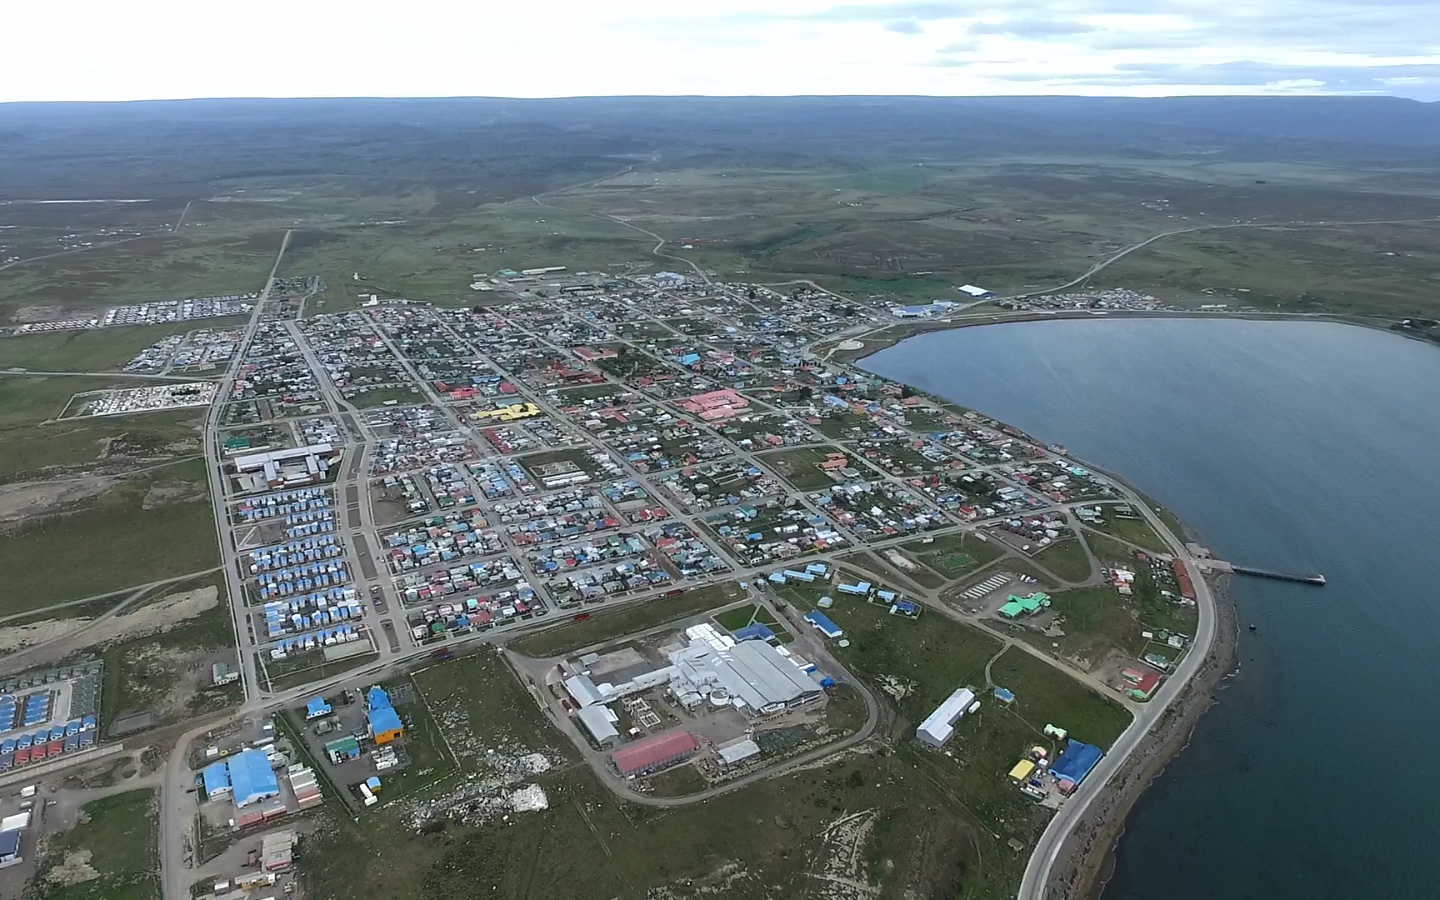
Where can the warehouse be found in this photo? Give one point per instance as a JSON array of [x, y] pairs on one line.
[[737, 752], [599, 723], [251, 778], [382, 720], [656, 753], [824, 624], [216, 779], [939, 726]]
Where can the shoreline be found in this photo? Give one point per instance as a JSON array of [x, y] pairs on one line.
[[1087, 860], [891, 335]]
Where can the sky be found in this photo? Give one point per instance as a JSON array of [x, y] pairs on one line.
[[166, 49]]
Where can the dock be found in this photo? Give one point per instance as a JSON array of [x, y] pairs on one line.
[[1318, 580]]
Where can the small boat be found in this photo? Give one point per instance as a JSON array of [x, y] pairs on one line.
[[1252, 627]]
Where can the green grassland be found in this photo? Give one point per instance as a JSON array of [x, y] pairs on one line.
[[31, 445], [120, 835], [633, 617], [1066, 559], [97, 350], [111, 541], [1136, 531]]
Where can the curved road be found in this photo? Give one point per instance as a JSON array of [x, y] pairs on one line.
[[1047, 850]]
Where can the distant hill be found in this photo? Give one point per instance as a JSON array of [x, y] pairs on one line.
[[509, 147]]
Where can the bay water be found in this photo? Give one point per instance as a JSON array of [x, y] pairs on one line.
[[1297, 446]]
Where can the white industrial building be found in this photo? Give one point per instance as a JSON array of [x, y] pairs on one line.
[[599, 721], [939, 726], [976, 291], [736, 752], [751, 676], [295, 467]]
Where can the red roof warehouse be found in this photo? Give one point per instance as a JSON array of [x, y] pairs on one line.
[[655, 753]]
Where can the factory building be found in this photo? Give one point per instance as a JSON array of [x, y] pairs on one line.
[[753, 676], [939, 726], [656, 753]]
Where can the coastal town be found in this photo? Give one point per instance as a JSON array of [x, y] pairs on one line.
[[645, 525]]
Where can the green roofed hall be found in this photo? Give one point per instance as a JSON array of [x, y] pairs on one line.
[[1024, 606]]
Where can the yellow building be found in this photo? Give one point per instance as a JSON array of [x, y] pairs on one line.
[[1022, 770]]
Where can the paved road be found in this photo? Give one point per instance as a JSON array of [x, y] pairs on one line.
[[219, 492], [29, 373], [1037, 873]]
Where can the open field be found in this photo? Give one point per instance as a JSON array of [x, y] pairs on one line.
[[166, 669], [606, 626], [1136, 531], [97, 350], [146, 529], [1096, 620], [112, 855], [1067, 559], [29, 448]]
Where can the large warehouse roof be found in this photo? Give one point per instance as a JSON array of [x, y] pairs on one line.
[[251, 777], [753, 672], [650, 752]]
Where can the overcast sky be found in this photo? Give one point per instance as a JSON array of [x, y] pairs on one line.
[[139, 49]]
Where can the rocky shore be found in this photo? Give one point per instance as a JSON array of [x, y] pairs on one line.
[[1086, 860]]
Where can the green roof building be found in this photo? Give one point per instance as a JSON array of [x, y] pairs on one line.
[[1015, 607]]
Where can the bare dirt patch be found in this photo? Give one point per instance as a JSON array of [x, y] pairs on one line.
[[36, 498], [75, 869], [159, 616]]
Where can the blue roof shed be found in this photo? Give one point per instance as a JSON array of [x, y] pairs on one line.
[[824, 624], [216, 778]]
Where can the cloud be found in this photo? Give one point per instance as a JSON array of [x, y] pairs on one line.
[[1419, 80], [905, 26], [1032, 28]]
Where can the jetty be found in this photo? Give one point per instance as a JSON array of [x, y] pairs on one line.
[[1279, 576], [1209, 563]]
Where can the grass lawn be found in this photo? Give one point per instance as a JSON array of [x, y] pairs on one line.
[[607, 626], [285, 674], [1066, 559], [930, 656], [799, 467], [109, 543], [1046, 695], [97, 350], [1097, 620], [1109, 550], [736, 619], [481, 703], [120, 834], [403, 396], [1136, 531]]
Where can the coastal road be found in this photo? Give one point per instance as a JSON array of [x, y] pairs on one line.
[[1047, 850]]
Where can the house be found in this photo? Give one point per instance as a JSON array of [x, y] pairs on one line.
[[316, 707]]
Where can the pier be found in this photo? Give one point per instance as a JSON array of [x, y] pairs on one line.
[[1279, 576]]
